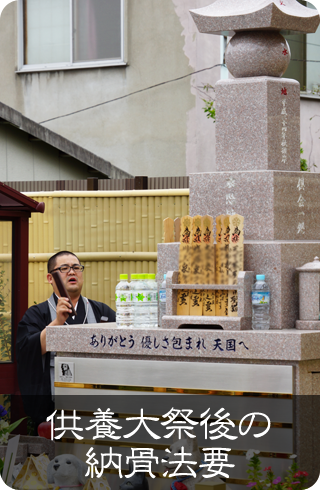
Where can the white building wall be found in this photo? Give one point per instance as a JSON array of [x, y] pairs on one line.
[[25, 160], [310, 132], [161, 131]]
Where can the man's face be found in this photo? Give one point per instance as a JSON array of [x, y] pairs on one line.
[[73, 281]]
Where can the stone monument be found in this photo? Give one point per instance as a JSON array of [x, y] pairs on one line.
[[258, 147], [258, 177]]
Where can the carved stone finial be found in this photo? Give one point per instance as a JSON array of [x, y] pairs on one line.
[[257, 48], [230, 16]]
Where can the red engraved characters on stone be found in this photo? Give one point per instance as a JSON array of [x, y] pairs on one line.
[[284, 91], [285, 52], [282, 3]]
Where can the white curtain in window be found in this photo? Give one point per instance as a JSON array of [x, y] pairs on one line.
[[47, 31], [96, 30]]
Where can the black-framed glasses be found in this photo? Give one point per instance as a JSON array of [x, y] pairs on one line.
[[65, 269]]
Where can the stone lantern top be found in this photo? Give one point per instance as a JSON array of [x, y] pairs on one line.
[[229, 16], [311, 266]]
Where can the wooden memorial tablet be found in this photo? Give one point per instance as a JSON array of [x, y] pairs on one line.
[[177, 227], [197, 257], [62, 290], [168, 226], [235, 260], [208, 297], [183, 301]]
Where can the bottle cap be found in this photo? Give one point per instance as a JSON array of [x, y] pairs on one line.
[[134, 276], [164, 276], [123, 277], [260, 277]]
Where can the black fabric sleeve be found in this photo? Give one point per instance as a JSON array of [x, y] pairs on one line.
[[101, 309], [33, 368]]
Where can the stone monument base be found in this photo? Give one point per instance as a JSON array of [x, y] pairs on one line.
[[277, 260], [276, 205]]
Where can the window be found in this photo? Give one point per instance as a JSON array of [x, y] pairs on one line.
[[62, 34], [305, 60]]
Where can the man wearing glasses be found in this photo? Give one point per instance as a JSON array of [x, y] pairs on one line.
[[35, 363]]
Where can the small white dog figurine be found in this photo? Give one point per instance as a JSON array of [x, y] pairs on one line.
[[66, 471]]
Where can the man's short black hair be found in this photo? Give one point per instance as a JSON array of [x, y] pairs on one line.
[[52, 261]]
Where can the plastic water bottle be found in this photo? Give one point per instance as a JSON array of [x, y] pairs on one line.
[[260, 304], [124, 305], [140, 301], [153, 300], [134, 286], [162, 300]]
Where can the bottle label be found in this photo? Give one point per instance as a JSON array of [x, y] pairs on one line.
[[123, 297], [260, 298], [162, 295], [140, 297], [152, 296]]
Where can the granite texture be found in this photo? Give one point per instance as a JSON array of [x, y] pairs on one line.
[[257, 124], [257, 53], [276, 205], [168, 259], [229, 16], [307, 325], [278, 261], [281, 345], [309, 296], [210, 322]]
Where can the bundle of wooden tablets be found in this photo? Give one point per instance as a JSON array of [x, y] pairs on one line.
[[202, 262]]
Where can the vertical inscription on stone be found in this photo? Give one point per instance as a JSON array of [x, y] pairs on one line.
[[284, 126], [301, 204]]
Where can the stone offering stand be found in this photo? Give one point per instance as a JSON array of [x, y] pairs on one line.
[[241, 322], [258, 177]]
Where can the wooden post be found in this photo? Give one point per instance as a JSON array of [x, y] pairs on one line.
[[168, 226], [223, 238], [196, 276], [141, 183], [208, 265], [177, 225], [92, 183], [235, 260], [183, 304]]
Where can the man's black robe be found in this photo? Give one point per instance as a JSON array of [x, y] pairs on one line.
[[33, 370]]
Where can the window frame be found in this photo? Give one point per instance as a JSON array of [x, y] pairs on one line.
[[23, 68]]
